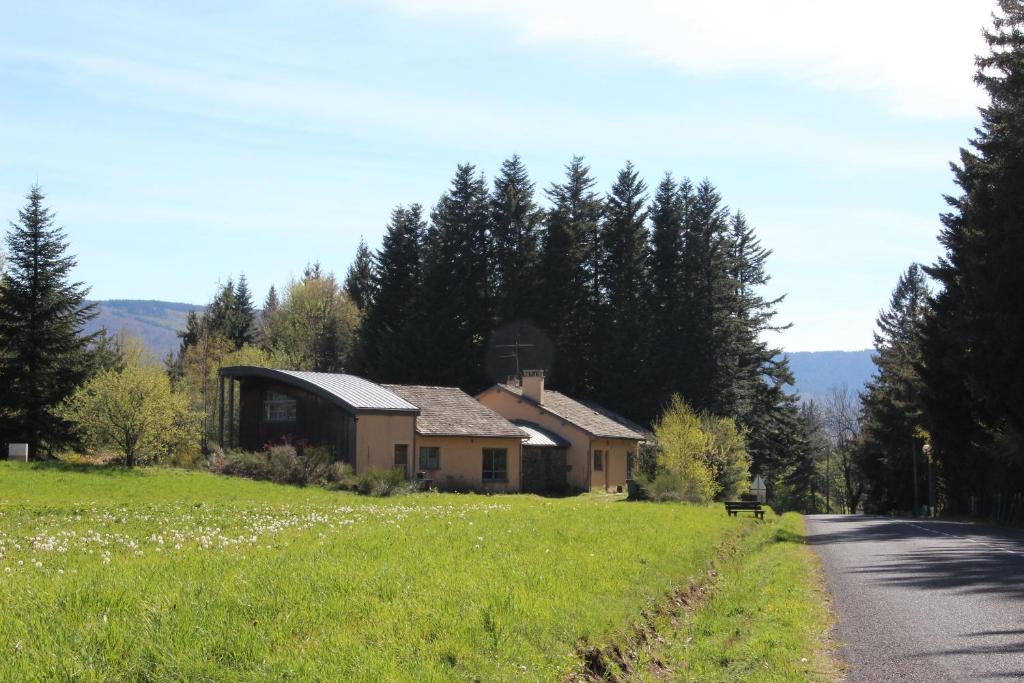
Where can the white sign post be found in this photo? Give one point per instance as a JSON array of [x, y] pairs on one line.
[[758, 489], [17, 451]]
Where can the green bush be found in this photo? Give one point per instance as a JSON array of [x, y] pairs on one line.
[[283, 464], [668, 486], [383, 483]]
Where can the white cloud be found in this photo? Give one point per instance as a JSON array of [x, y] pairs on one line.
[[918, 55]]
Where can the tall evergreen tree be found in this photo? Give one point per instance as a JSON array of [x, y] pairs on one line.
[[516, 226], [669, 320], [43, 351], [388, 339], [705, 303], [972, 362], [891, 450], [457, 285], [241, 318], [622, 350], [270, 306], [359, 279], [571, 291], [755, 375]]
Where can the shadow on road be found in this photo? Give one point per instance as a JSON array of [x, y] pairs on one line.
[[980, 565]]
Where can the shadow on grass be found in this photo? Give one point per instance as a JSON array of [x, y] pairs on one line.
[[109, 469], [787, 536]]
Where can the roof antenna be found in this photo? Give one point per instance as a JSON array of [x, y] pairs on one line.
[[515, 352]]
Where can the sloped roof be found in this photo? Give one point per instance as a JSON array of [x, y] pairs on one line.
[[350, 392], [600, 422], [448, 411], [539, 436]]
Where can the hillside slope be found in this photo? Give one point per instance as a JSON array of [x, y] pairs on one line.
[[156, 323], [818, 371]]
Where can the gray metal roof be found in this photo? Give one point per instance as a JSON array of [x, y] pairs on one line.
[[538, 436], [353, 393], [448, 411]]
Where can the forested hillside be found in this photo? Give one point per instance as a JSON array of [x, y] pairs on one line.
[[156, 323]]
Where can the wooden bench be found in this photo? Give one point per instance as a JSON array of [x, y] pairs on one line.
[[733, 507]]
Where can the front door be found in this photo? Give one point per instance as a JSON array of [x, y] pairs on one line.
[[402, 458], [544, 470]]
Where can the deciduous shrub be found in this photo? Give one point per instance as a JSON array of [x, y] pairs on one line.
[[694, 457], [283, 464], [383, 483]]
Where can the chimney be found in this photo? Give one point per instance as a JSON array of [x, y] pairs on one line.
[[533, 385]]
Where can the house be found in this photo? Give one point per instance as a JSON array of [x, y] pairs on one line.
[[571, 444], [440, 432], [460, 443]]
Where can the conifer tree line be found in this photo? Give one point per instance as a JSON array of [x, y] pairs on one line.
[[943, 418], [639, 295]]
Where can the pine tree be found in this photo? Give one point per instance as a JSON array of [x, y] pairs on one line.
[[241, 321], [706, 288], [516, 225], [572, 293], [43, 352], [669, 321], [623, 350], [359, 280], [754, 373], [388, 337], [973, 365], [270, 306], [892, 447], [457, 285]]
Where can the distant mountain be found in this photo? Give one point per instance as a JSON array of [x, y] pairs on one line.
[[818, 371], [156, 323]]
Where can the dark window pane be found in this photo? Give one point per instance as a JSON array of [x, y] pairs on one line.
[[598, 461], [495, 464], [402, 456], [430, 458]]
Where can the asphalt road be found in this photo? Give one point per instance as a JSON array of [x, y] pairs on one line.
[[921, 600]]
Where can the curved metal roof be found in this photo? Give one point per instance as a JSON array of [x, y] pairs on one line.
[[538, 436], [352, 393]]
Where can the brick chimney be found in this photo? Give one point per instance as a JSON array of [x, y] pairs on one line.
[[533, 385]]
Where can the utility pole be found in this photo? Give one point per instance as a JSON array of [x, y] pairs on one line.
[[913, 460], [828, 480]]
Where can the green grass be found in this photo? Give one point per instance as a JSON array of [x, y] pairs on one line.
[[162, 574], [766, 620]]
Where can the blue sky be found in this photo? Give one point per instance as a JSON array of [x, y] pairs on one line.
[[184, 143]]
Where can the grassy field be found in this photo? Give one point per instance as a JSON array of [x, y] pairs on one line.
[[163, 574]]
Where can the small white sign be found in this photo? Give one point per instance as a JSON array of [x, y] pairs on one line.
[[17, 451], [758, 489]]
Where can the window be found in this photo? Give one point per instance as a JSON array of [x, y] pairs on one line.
[[430, 458], [402, 457], [495, 464], [278, 407], [598, 460]]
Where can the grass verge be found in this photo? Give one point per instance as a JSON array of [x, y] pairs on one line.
[[761, 615]]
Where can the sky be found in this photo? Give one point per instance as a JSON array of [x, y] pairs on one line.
[[184, 143]]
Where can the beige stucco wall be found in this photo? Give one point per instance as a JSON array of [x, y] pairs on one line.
[[614, 474], [462, 457], [578, 455], [376, 436]]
